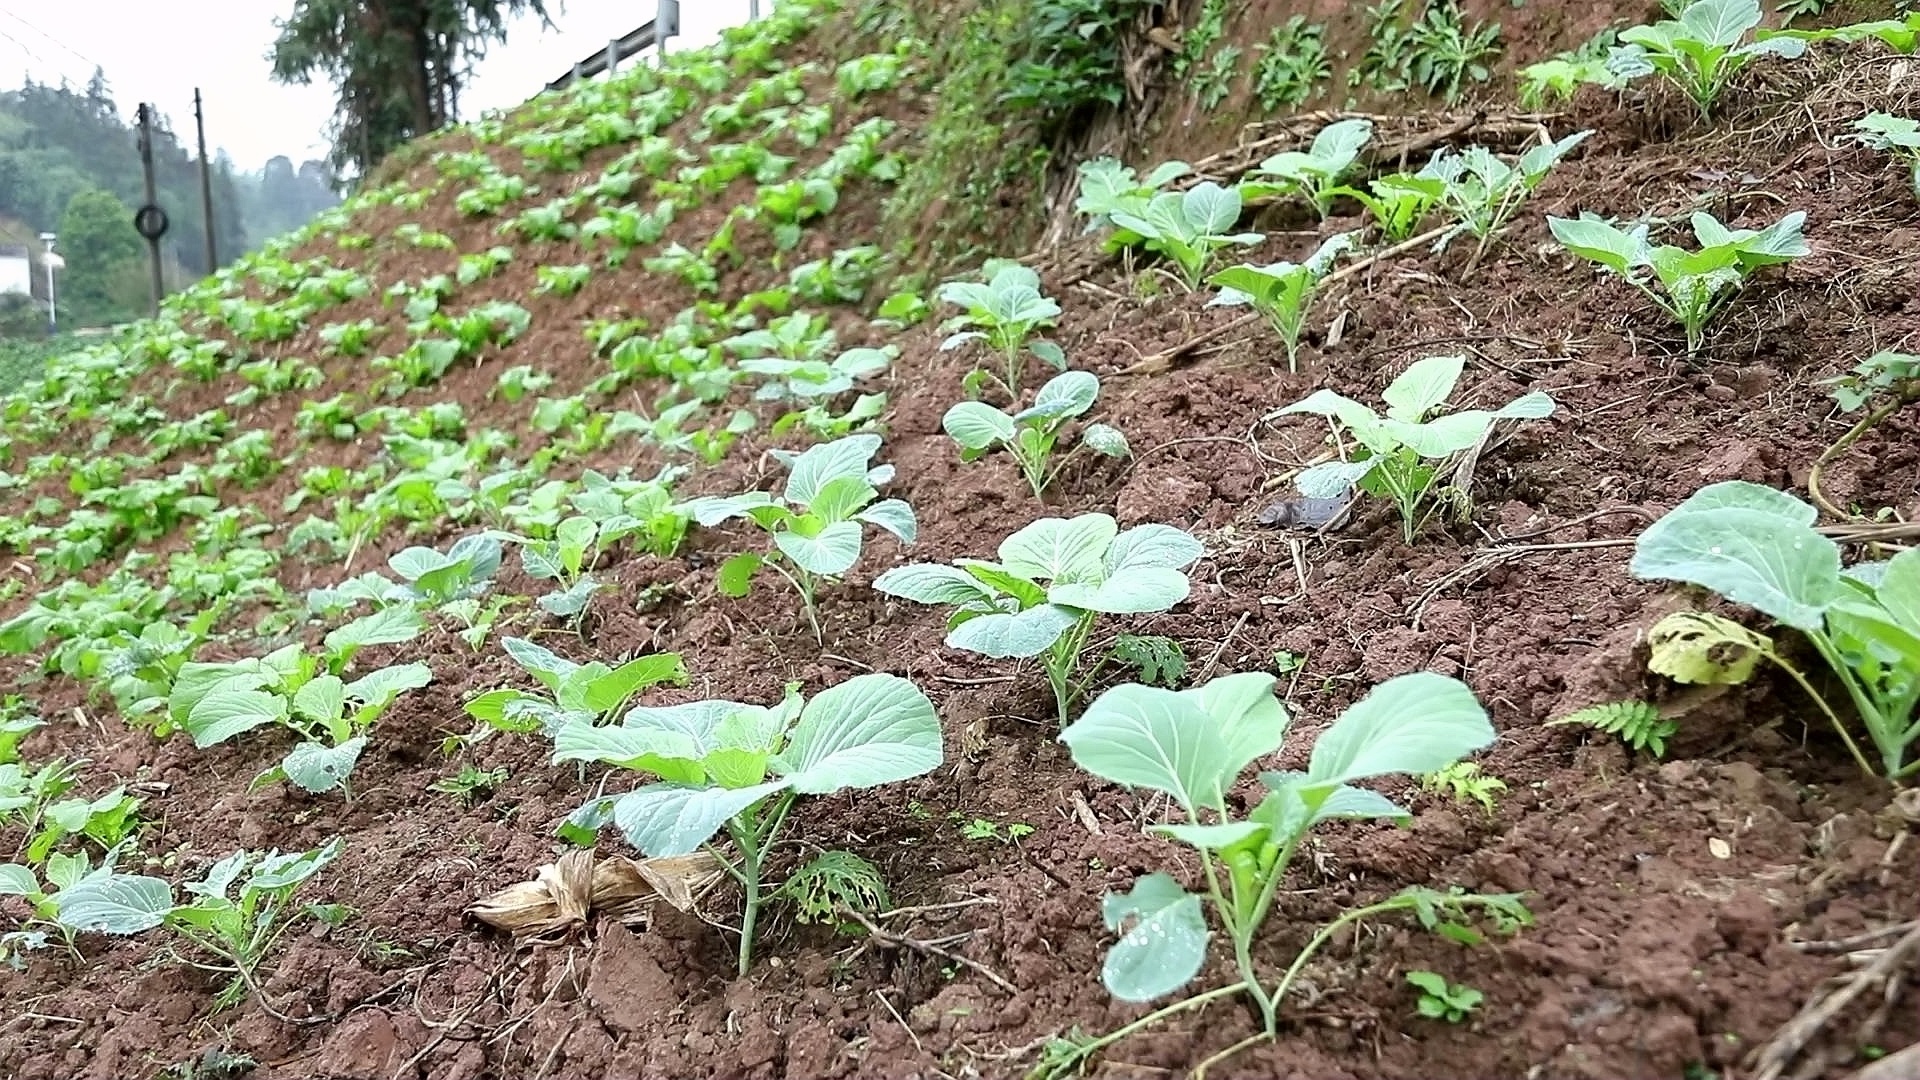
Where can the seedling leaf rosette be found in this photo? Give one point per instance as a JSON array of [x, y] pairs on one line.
[[739, 768], [1031, 434], [1054, 578], [1401, 452], [1758, 547], [1192, 746]]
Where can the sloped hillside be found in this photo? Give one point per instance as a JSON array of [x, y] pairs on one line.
[[371, 604]]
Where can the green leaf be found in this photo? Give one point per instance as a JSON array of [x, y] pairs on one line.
[[1752, 545], [388, 626], [932, 583], [1069, 393], [736, 574], [1132, 592], [673, 819], [831, 553], [317, 767], [539, 661], [1212, 837], [1105, 440], [322, 699], [612, 689], [17, 880], [1000, 635], [378, 688], [668, 754], [1151, 547], [893, 515], [1165, 943], [826, 461], [1422, 388], [115, 904], [1060, 549], [976, 425], [1589, 238], [870, 730], [1144, 736], [222, 714], [1416, 723]]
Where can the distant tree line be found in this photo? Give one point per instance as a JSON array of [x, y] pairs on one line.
[[70, 164]]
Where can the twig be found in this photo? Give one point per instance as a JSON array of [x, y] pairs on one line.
[[904, 1026], [1207, 668], [1908, 395], [1771, 1061], [891, 939], [441, 1029], [1848, 944]]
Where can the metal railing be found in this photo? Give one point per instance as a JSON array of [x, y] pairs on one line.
[[665, 24]]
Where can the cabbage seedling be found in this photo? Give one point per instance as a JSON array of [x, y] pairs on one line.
[[1189, 226], [1192, 746], [1316, 172], [1401, 452], [727, 766], [1701, 50], [1107, 187], [1004, 311], [815, 523], [213, 702], [1896, 135], [592, 692], [1758, 547], [1053, 579], [809, 380], [1281, 291], [1031, 434], [1694, 285], [1483, 192], [1398, 202]]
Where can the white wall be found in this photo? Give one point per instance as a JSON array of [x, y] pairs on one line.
[[16, 274]]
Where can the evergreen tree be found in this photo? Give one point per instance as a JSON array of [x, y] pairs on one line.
[[103, 257]]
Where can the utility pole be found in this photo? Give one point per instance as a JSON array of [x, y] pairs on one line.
[[666, 24], [150, 221], [206, 183]]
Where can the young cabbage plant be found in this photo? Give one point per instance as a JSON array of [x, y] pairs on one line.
[[1004, 311], [1694, 286], [1399, 202], [1188, 227], [1054, 578], [1401, 454], [1107, 188], [291, 688], [1192, 746], [1031, 434], [1281, 291], [811, 380], [815, 522], [1758, 547], [238, 927], [1316, 172], [724, 766], [1701, 50], [593, 692], [1896, 135], [1483, 192]]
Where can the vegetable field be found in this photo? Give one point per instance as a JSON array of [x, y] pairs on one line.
[[1413, 578]]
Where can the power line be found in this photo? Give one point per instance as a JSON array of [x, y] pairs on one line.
[[65, 75], [82, 57]]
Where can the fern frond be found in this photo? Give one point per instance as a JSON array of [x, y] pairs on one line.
[[1638, 724], [835, 879], [1159, 660]]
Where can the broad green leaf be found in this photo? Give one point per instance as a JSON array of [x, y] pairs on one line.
[[1297, 803], [610, 690], [1615, 249], [825, 461], [1210, 208], [1327, 403], [1069, 393], [1212, 837], [1250, 719], [893, 515], [323, 698], [1422, 388], [379, 688], [1164, 945], [839, 498], [115, 904], [1899, 589], [222, 714], [1151, 547], [17, 880], [1702, 648], [831, 553], [1060, 549], [388, 626], [1748, 548], [736, 574], [1720, 22], [1416, 723], [1143, 736], [1332, 479], [539, 661], [1022, 634], [282, 870], [668, 754], [1105, 440], [976, 425], [672, 819], [1133, 592], [1537, 405], [932, 583], [1442, 435], [870, 730], [317, 767], [571, 601], [709, 510]]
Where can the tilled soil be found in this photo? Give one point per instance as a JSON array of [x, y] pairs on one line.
[[1673, 900]]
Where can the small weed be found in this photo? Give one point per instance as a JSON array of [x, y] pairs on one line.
[[1440, 1001], [1215, 81], [1292, 61], [1464, 781], [983, 829], [470, 785]]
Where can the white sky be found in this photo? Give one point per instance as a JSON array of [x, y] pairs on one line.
[[151, 53]]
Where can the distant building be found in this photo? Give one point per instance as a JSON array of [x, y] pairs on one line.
[[16, 271]]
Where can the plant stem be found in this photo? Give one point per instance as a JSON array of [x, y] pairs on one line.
[[1158, 1015], [1062, 655], [802, 583], [753, 841]]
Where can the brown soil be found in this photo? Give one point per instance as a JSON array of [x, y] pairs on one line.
[[1657, 952]]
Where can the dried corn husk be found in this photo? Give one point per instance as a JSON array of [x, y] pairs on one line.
[[563, 894]]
